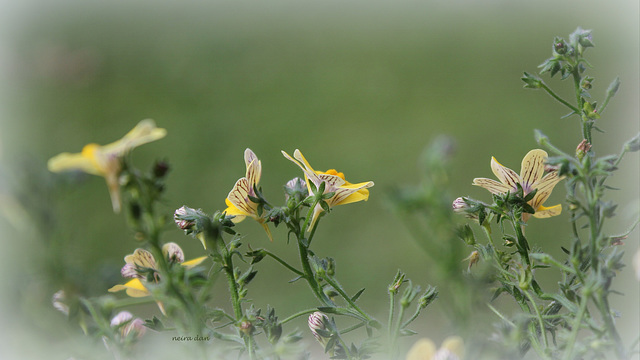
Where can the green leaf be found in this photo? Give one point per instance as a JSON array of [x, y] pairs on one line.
[[357, 295]]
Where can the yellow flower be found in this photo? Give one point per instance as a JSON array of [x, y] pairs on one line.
[[424, 349], [238, 203], [105, 160], [143, 260], [530, 178], [344, 191]]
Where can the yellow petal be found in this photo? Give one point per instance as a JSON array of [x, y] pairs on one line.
[[239, 198], [67, 161], [141, 258], [423, 349], [455, 345], [202, 239], [506, 176], [254, 167], [195, 262], [545, 212], [332, 181], [532, 168], [134, 288], [266, 228], [309, 173], [493, 186], [145, 132], [545, 187], [345, 195]]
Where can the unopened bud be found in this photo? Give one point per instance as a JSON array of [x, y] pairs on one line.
[[296, 188], [246, 327], [318, 326], [459, 205], [178, 217], [129, 271], [58, 300], [560, 48], [582, 149], [134, 327], [160, 169], [173, 252]]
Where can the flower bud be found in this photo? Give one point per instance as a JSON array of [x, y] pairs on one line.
[[428, 297], [134, 327], [295, 188], [160, 169], [121, 318], [633, 144], [582, 149], [459, 205], [178, 217], [560, 47], [58, 300], [129, 271], [246, 327], [318, 326], [173, 252]]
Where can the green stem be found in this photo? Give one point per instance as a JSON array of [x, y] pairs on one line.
[[603, 306], [559, 99], [568, 355], [331, 281], [284, 263], [233, 286], [543, 330], [298, 314], [392, 308], [523, 245]]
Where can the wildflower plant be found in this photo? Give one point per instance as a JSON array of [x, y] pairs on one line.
[[575, 320], [156, 270], [572, 321]]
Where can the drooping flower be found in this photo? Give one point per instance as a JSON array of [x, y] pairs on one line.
[[238, 202], [343, 191], [105, 160], [141, 266], [424, 349], [531, 178]]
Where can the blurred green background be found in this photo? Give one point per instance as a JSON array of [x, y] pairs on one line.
[[361, 86]]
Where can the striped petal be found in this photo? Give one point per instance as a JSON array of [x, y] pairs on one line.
[[545, 187], [545, 212], [239, 197], [309, 173], [532, 169], [493, 186], [506, 176], [254, 169], [231, 209], [351, 193], [141, 258]]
